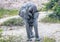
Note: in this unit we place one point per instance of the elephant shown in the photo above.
(29, 14)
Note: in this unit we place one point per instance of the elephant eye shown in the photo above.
(23, 11)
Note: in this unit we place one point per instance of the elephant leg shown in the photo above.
(28, 31)
(31, 31)
(36, 29)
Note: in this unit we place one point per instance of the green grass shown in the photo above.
(46, 39)
(13, 22)
(19, 39)
(50, 20)
(1, 32)
(11, 39)
(7, 13)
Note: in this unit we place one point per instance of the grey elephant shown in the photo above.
(29, 14)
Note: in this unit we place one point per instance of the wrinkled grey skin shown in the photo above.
(24, 13)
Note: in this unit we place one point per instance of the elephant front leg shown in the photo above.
(36, 30)
(31, 32)
(28, 32)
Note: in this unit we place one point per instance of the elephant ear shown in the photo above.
(22, 11)
(36, 15)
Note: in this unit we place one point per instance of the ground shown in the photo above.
(51, 30)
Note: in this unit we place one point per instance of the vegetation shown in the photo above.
(6, 12)
(1, 33)
(13, 22)
(46, 39)
(53, 5)
(50, 20)
(11, 39)
(20, 39)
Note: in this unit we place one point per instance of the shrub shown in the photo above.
(6, 12)
(13, 22)
(21, 39)
(55, 6)
(47, 39)
(11, 39)
(50, 20)
(51, 4)
(1, 33)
